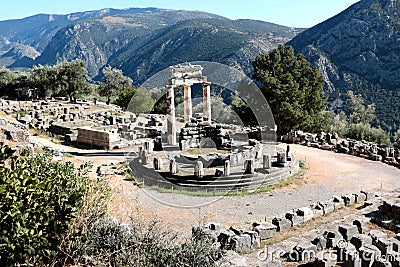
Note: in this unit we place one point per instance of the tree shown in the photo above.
(397, 139)
(38, 201)
(7, 78)
(71, 78)
(292, 88)
(137, 100)
(113, 82)
(45, 79)
(359, 113)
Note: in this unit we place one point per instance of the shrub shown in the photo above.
(397, 139)
(38, 200)
(362, 131)
(109, 243)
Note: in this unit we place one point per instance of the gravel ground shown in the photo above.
(328, 174)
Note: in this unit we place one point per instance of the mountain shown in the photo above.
(359, 50)
(95, 40)
(232, 42)
(139, 41)
(37, 31)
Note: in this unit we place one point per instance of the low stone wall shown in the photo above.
(242, 240)
(333, 142)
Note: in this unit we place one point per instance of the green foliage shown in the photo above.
(359, 113)
(347, 126)
(220, 112)
(397, 139)
(243, 111)
(44, 78)
(292, 88)
(114, 82)
(140, 101)
(337, 123)
(108, 243)
(71, 78)
(64, 79)
(38, 200)
(363, 131)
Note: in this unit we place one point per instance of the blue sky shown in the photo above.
(297, 13)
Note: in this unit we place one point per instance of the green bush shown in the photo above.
(397, 139)
(363, 131)
(38, 200)
(109, 243)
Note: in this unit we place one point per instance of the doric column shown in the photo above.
(207, 101)
(187, 102)
(171, 127)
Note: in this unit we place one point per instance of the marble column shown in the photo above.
(171, 122)
(187, 102)
(207, 101)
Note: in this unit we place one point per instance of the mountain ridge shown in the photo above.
(358, 50)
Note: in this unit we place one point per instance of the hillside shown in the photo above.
(232, 42)
(96, 39)
(139, 41)
(359, 50)
(35, 32)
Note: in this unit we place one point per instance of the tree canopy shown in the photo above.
(137, 100)
(113, 82)
(359, 113)
(292, 88)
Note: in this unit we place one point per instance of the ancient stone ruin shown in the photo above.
(332, 142)
(209, 156)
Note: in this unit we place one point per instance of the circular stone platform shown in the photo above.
(213, 178)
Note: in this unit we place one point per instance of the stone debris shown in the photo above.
(331, 141)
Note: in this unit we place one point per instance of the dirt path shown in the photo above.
(328, 174)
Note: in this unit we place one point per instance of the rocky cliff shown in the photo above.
(359, 50)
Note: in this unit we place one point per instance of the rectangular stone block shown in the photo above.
(362, 225)
(265, 230)
(338, 205)
(317, 210)
(332, 237)
(360, 197)
(306, 213)
(396, 244)
(348, 231)
(368, 194)
(281, 223)
(241, 243)
(349, 199)
(320, 242)
(361, 240)
(384, 245)
(303, 252)
(376, 234)
(294, 218)
(328, 207)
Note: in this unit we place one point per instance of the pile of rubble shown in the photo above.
(198, 133)
(101, 125)
(331, 141)
(14, 131)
